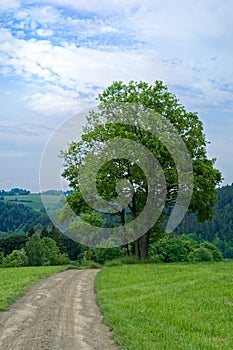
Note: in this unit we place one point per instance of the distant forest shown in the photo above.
(219, 230)
(14, 191)
(18, 218)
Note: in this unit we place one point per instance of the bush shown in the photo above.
(100, 255)
(170, 249)
(178, 249)
(17, 258)
(217, 255)
(201, 254)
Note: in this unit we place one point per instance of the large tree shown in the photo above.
(134, 102)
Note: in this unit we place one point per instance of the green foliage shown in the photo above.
(71, 248)
(44, 252)
(18, 217)
(52, 253)
(181, 249)
(101, 127)
(35, 251)
(17, 258)
(31, 231)
(168, 306)
(169, 250)
(200, 254)
(14, 191)
(11, 243)
(219, 230)
(1, 257)
(217, 256)
(66, 245)
(103, 254)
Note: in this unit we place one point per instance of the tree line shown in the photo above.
(14, 192)
(16, 220)
(45, 247)
(49, 247)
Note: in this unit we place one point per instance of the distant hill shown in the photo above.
(33, 200)
(18, 218)
(20, 209)
(14, 191)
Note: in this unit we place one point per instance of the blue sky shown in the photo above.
(56, 56)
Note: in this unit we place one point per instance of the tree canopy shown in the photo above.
(130, 174)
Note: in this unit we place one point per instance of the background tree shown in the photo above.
(31, 231)
(100, 128)
(53, 255)
(11, 243)
(35, 251)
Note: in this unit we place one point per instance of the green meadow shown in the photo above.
(34, 200)
(169, 306)
(15, 281)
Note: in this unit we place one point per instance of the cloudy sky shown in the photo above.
(57, 55)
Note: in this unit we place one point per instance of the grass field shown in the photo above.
(169, 306)
(34, 200)
(15, 281)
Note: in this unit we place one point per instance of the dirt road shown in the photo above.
(58, 313)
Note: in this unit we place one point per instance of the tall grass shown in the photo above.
(169, 306)
(15, 281)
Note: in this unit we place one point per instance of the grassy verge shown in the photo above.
(15, 281)
(169, 306)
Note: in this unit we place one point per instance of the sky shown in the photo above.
(57, 56)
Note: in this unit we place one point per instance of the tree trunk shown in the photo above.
(126, 247)
(137, 248)
(145, 245)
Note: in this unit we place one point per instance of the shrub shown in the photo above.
(17, 258)
(200, 254)
(178, 249)
(101, 255)
(217, 255)
(169, 249)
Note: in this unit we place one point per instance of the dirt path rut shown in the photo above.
(58, 313)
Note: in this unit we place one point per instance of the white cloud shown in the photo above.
(84, 45)
(44, 32)
(103, 7)
(6, 5)
(52, 104)
(167, 46)
(41, 15)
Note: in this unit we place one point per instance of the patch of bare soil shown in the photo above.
(58, 313)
